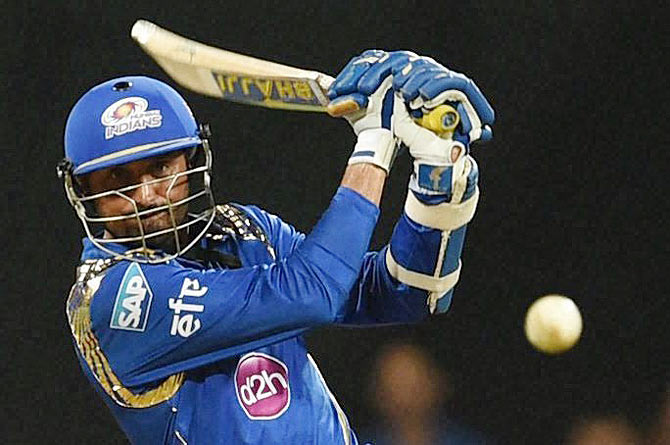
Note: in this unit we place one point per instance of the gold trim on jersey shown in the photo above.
(89, 276)
(241, 226)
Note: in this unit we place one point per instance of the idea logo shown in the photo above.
(262, 386)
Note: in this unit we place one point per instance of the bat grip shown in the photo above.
(441, 120)
(342, 107)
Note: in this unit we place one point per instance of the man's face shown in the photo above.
(146, 196)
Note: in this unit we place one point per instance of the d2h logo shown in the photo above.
(262, 386)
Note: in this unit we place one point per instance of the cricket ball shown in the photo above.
(553, 324)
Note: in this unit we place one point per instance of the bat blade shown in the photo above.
(230, 76)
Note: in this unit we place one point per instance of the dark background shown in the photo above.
(573, 195)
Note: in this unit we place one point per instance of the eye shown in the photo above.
(163, 168)
(113, 179)
(115, 174)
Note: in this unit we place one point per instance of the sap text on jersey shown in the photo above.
(133, 301)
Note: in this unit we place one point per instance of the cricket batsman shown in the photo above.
(188, 317)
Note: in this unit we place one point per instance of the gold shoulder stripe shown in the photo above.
(90, 275)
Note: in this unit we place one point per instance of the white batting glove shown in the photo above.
(442, 167)
(366, 82)
(439, 164)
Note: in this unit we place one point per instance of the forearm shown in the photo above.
(365, 179)
(421, 263)
(379, 298)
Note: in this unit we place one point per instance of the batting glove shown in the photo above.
(424, 84)
(366, 81)
(443, 170)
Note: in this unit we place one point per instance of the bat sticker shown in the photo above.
(269, 92)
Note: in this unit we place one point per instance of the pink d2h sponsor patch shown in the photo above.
(262, 386)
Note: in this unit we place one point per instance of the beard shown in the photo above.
(151, 224)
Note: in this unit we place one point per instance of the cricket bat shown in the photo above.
(231, 76)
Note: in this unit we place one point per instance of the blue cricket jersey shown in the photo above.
(208, 348)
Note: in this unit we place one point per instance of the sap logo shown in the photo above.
(133, 301)
(186, 324)
(262, 386)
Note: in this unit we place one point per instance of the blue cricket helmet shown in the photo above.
(126, 119)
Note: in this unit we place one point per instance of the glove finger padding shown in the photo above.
(475, 111)
(380, 70)
(347, 80)
(367, 80)
(404, 75)
(424, 84)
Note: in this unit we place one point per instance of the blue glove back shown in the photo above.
(345, 85)
(363, 75)
(367, 82)
(407, 81)
(425, 84)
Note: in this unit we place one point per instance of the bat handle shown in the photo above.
(441, 120)
(342, 107)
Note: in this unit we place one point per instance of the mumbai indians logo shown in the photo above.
(133, 301)
(128, 115)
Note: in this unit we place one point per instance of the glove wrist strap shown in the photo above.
(374, 146)
(445, 216)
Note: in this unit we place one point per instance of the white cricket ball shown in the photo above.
(553, 324)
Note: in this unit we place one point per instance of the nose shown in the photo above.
(147, 195)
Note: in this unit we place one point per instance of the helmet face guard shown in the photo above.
(179, 235)
(122, 121)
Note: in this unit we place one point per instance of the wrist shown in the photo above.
(365, 179)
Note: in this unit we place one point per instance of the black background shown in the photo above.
(573, 194)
